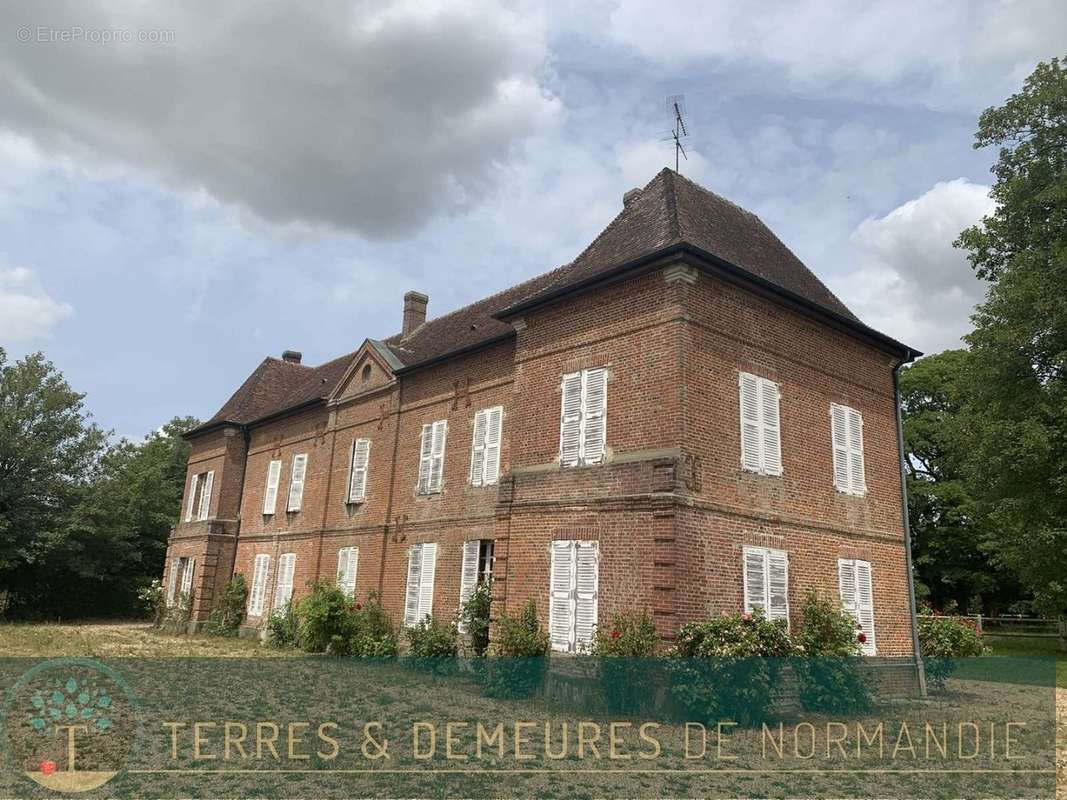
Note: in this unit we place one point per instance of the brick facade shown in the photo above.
(670, 505)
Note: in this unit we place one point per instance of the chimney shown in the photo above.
(292, 356)
(414, 311)
(630, 196)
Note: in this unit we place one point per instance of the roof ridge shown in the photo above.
(673, 220)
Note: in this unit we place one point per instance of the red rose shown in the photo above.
(862, 637)
(48, 767)
(359, 606)
(747, 617)
(615, 633)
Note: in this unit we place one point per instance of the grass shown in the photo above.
(1019, 647)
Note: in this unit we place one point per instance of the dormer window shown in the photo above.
(366, 373)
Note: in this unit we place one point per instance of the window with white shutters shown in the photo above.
(347, 563)
(296, 482)
(283, 592)
(422, 563)
(477, 568)
(187, 575)
(846, 433)
(205, 494)
(857, 597)
(761, 443)
(191, 504)
(357, 474)
(766, 582)
(199, 505)
(485, 446)
(583, 417)
(270, 493)
(573, 587)
(256, 597)
(172, 579)
(432, 457)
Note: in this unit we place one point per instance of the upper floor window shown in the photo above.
(846, 427)
(270, 493)
(432, 457)
(485, 446)
(761, 444)
(357, 471)
(199, 504)
(296, 482)
(583, 417)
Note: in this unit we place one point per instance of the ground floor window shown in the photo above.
(477, 569)
(181, 578)
(574, 581)
(283, 592)
(347, 561)
(422, 562)
(766, 582)
(259, 585)
(857, 596)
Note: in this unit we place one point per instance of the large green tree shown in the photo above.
(1018, 371)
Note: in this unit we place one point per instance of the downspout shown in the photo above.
(246, 434)
(392, 485)
(919, 672)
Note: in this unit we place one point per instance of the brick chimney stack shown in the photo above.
(414, 311)
(292, 356)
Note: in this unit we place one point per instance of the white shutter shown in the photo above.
(205, 495)
(296, 482)
(429, 566)
(493, 433)
(357, 482)
(259, 584)
(437, 466)
(187, 576)
(751, 440)
(172, 580)
(839, 440)
(594, 415)
(865, 605)
(425, 460)
(846, 579)
(468, 577)
(192, 498)
(586, 585)
(478, 442)
(347, 563)
(857, 479)
(283, 592)
(270, 494)
(777, 585)
(771, 430)
(411, 602)
(570, 426)
(755, 579)
(561, 596)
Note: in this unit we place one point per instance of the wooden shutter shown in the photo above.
(259, 584)
(856, 477)
(425, 460)
(429, 565)
(478, 442)
(437, 467)
(468, 576)
(172, 580)
(192, 498)
(357, 482)
(839, 440)
(594, 415)
(283, 592)
(570, 426)
(494, 429)
(586, 585)
(755, 579)
(347, 563)
(777, 586)
(296, 482)
(770, 428)
(411, 602)
(561, 597)
(187, 576)
(751, 439)
(865, 605)
(205, 495)
(270, 494)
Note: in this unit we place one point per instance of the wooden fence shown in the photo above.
(1015, 627)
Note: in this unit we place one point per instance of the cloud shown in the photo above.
(911, 282)
(353, 115)
(26, 310)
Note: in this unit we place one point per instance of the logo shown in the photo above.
(69, 724)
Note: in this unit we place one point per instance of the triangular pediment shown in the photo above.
(372, 368)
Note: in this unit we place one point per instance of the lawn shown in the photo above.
(1020, 646)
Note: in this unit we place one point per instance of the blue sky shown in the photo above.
(276, 175)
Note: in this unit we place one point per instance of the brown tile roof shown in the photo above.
(670, 211)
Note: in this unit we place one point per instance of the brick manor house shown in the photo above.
(683, 419)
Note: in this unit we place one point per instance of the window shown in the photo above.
(432, 457)
(572, 605)
(766, 581)
(366, 373)
(296, 482)
(485, 446)
(270, 494)
(846, 432)
(180, 580)
(477, 569)
(347, 561)
(199, 504)
(283, 592)
(259, 585)
(422, 560)
(357, 471)
(583, 417)
(857, 596)
(187, 576)
(761, 445)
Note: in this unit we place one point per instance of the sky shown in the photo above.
(183, 193)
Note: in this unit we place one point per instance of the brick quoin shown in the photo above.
(670, 505)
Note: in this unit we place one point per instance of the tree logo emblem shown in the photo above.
(69, 724)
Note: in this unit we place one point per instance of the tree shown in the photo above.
(1017, 393)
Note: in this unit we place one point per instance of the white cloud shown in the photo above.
(26, 310)
(911, 283)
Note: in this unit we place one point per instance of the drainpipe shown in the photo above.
(919, 672)
(246, 434)
(392, 488)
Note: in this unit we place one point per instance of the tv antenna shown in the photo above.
(676, 107)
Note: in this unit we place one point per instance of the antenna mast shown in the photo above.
(676, 107)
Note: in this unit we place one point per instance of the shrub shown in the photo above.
(629, 635)
(152, 600)
(475, 617)
(176, 617)
(375, 635)
(227, 616)
(521, 636)
(830, 674)
(941, 641)
(728, 668)
(518, 666)
(283, 627)
(326, 620)
(432, 639)
(626, 668)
